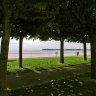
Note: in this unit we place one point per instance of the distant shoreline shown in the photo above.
(64, 49)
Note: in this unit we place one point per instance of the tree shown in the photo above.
(10, 9)
(84, 14)
(80, 38)
(7, 14)
(19, 33)
(30, 27)
(61, 27)
(22, 29)
(92, 36)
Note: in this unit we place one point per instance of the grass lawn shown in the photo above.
(71, 85)
(44, 63)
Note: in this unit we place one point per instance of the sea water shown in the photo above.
(45, 51)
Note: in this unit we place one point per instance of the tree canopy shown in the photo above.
(64, 18)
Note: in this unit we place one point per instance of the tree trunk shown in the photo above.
(85, 51)
(62, 50)
(93, 56)
(4, 52)
(20, 51)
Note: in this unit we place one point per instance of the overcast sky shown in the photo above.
(39, 45)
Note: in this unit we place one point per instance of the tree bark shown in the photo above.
(62, 50)
(20, 51)
(85, 50)
(93, 56)
(4, 52)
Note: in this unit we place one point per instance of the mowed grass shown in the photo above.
(44, 63)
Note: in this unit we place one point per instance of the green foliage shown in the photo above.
(23, 28)
(81, 12)
(61, 25)
(79, 38)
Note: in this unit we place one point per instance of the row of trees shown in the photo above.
(54, 19)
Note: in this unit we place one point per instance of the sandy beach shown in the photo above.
(43, 55)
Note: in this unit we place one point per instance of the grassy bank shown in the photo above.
(44, 63)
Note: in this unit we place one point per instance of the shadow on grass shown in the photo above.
(26, 70)
(61, 87)
(73, 86)
(20, 70)
(41, 69)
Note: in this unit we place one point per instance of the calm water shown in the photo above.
(44, 51)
